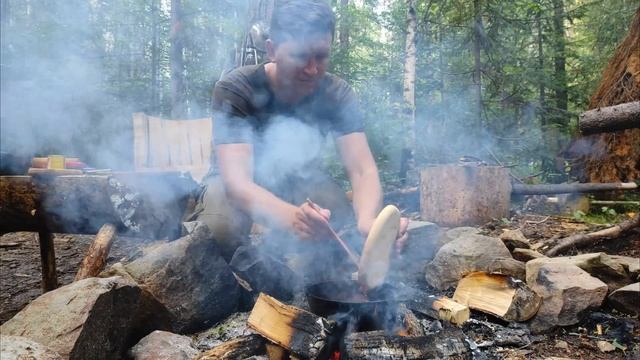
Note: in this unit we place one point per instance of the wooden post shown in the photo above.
(45, 238)
(455, 195)
(96, 256)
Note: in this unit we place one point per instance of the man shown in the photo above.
(270, 122)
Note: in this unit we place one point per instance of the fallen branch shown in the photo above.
(610, 118)
(582, 240)
(543, 189)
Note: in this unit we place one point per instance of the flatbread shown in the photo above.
(374, 262)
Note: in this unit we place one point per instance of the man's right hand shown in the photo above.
(309, 223)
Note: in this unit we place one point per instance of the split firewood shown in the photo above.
(300, 332)
(378, 345)
(439, 308)
(238, 348)
(610, 118)
(582, 240)
(545, 189)
(96, 256)
(503, 296)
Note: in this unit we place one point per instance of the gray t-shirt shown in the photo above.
(287, 139)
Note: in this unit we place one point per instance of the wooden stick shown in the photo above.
(582, 240)
(543, 189)
(96, 256)
(610, 118)
(354, 258)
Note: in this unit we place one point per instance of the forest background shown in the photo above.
(501, 81)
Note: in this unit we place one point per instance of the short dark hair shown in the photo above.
(300, 19)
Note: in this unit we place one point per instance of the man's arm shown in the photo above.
(235, 162)
(363, 175)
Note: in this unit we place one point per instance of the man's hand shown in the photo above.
(309, 223)
(364, 227)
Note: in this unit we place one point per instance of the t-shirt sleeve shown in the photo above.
(232, 122)
(349, 117)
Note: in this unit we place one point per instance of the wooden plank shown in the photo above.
(299, 331)
(159, 154)
(140, 140)
(238, 348)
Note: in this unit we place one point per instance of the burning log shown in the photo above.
(378, 345)
(454, 195)
(238, 348)
(96, 256)
(300, 332)
(582, 240)
(545, 189)
(499, 295)
(610, 118)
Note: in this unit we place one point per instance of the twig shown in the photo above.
(582, 240)
(537, 222)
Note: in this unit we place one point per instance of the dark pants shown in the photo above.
(231, 227)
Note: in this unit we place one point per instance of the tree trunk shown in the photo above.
(178, 104)
(155, 59)
(477, 71)
(611, 118)
(541, 89)
(343, 35)
(408, 90)
(559, 60)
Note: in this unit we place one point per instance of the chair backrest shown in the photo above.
(183, 145)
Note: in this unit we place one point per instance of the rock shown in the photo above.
(461, 256)
(90, 319)
(605, 346)
(190, 277)
(503, 266)
(599, 265)
(514, 239)
(567, 291)
(526, 254)
(631, 264)
(18, 348)
(232, 327)
(163, 345)
(561, 344)
(626, 299)
(457, 232)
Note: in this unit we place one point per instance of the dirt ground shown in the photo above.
(20, 283)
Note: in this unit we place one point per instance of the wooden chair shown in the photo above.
(165, 145)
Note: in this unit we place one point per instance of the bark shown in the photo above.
(239, 348)
(541, 88)
(611, 118)
(155, 59)
(343, 34)
(178, 104)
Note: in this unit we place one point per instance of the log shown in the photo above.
(437, 307)
(610, 118)
(96, 256)
(582, 240)
(503, 296)
(238, 348)
(300, 332)
(378, 345)
(544, 189)
(454, 195)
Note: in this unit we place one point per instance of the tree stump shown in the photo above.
(453, 195)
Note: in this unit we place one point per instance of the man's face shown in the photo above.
(301, 64)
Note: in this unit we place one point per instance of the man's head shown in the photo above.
(299, 44)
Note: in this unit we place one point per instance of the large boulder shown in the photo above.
(188, 276)
(163, 345)
(567, 291)
(21, 348)
(90, 319)
(600, 265)
(467, 253)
